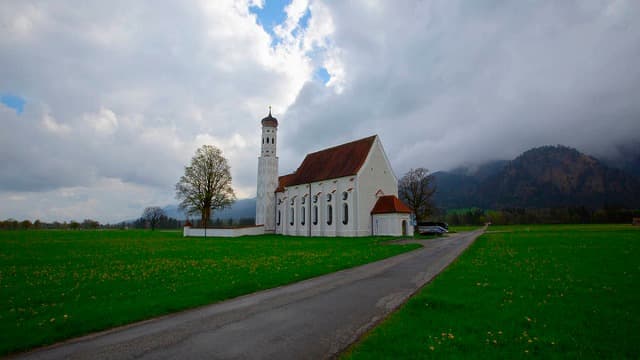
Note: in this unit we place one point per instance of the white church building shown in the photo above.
(345, 190)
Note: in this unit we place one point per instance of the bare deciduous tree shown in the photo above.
(153, 215)
(206, 184)
(416, 188)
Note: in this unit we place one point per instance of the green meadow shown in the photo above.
(544, 291)
(461, 228)
(59, 284)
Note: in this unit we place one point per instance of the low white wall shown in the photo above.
(223, 232)
(391, 224)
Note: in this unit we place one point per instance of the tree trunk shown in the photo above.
(206, 215)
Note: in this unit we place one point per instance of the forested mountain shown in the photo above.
(543, 177)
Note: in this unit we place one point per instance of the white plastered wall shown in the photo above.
(391, 224)
(336, 188)
(375, 175)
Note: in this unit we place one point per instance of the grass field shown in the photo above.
(461, 228)
(59, 284)
(543, 291)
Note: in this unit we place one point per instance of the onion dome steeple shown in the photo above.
(270, 121)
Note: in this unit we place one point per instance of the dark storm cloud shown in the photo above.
(445, 83)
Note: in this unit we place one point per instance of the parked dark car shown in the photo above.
(431, 228)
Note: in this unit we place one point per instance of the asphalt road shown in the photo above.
(312, 319)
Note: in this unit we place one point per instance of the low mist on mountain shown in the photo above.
(543, 177)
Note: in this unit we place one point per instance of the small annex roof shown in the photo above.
(335, 162)
(390, 204)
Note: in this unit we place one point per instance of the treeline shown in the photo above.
(164, 222)
(168, 223)
(515, 216)
(12, 224)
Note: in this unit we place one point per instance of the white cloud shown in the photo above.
(295, 10)
(104, 122)
(120, 94)
(19, 19)
(131, 86)
(336, 70)
(52, 125)
(107, 200)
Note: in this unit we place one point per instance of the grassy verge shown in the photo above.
(544, 291)
(462, 228)
(59, 284)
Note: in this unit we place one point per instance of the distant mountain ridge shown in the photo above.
(242, 208)
(547, 176)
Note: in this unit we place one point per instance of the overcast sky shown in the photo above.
(103, 103)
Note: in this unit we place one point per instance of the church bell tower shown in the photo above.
(267, 175)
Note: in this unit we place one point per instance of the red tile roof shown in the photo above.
(284, 180)
(390, 204)
(335, 162)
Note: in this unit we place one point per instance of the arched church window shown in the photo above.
(279, 218)
(345, 213)
(303, 216)
(345, 195)
(328, 197)
(329, 215)
(315, 215)
(273, 141)
(315, 199)
(304, 200)
(292, 202)
(292, 212)
(267, 140)
(263, 140)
